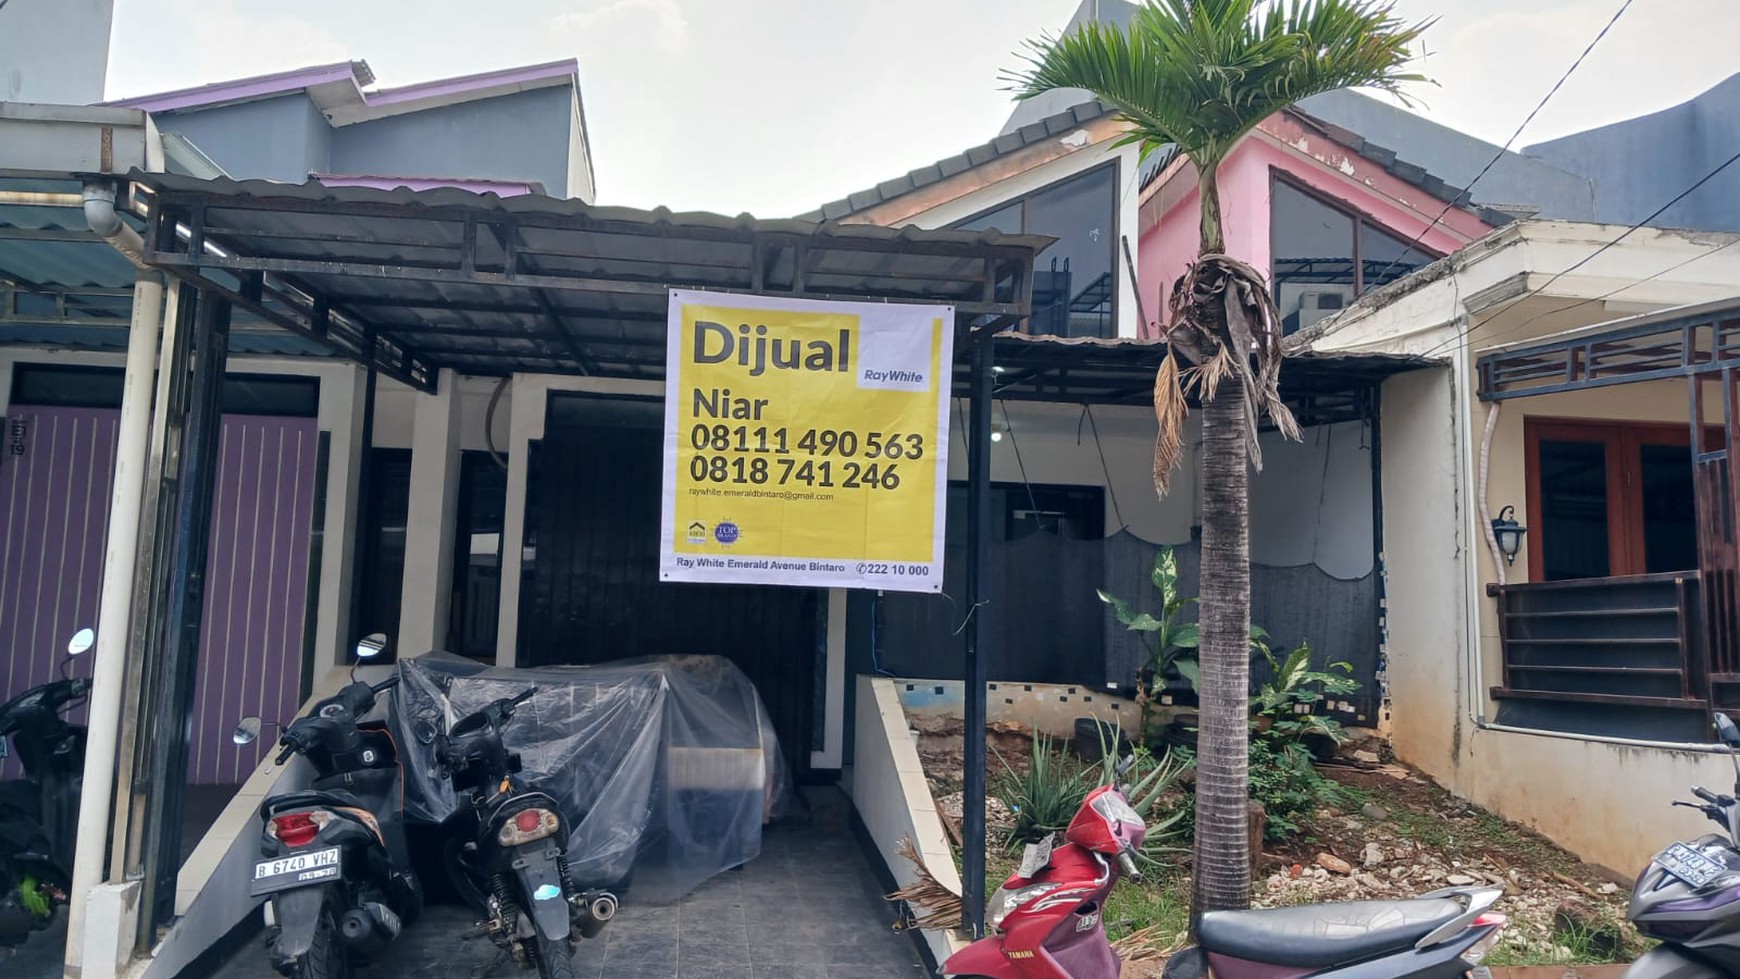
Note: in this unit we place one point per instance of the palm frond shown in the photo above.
(1203, 73)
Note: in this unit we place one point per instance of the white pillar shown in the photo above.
(525, 423)
(430, 519)
(108, 678)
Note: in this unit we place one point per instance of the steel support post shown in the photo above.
(109, 675)
(978, 598)
(176, 670)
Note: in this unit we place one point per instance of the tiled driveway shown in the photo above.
(808, 908)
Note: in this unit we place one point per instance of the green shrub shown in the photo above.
(1045, 797)
(1285, 782)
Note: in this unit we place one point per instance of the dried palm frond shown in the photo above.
(1170, 410)
(933, 904)
(1149, 944)
(1222, 305)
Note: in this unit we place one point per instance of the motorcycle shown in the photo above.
(337, 874)
(507, 850)
(39, 813)
(1687, 898)
(1047, 924)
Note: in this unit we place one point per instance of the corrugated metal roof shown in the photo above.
(1050, 127)
(1120, 370)
(550, 285)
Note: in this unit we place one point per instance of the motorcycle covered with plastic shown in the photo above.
(665, 768)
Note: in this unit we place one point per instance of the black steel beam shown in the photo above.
(171, 708)
(978, 602)
(282, 266)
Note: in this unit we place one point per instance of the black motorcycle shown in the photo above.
(1687, 898)
(508, 850)
(39, 813)
(337, 872)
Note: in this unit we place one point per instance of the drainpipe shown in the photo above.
(119, 565)
(99, 204)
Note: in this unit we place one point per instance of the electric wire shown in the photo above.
(1468, 190)
(1463, 334)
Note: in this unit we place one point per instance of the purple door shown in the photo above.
(56, 470)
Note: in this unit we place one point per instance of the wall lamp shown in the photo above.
(1509, 533)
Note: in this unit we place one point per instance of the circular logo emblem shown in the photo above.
(726, 532)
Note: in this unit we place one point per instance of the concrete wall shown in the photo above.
(1423, 569)
(283, 139)
(1639, 164)
(524, 136)
(1311, 503)
(888, 789)
(55, 52)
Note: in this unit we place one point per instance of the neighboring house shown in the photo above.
(1326, 214)
(282, 537)
(1569, 687)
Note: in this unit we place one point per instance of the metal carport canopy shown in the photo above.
(416, 281)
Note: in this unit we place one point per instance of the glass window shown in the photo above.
(1384, 258)
(1670, 513)
(1313, 247)
(1324, 256)
(1573, 535)
(1074, 282)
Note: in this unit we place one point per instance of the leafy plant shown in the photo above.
(1286, 783)
(1167, 639)
(1290, 697)
(1045, 797)
(1147, 782)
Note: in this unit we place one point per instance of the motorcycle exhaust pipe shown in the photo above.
(595, 910)
(361, 932)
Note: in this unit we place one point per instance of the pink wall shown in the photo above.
(1283, 144)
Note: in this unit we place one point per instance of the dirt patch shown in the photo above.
(1396, 835)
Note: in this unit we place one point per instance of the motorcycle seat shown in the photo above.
(1317, 936)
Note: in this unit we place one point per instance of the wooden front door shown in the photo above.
(1607, 499)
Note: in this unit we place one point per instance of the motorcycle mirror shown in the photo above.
(81, 642)
(1728, 731)
(247, 730)
(368, 647)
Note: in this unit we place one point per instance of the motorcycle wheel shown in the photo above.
(554, 961)
(326, 958)
(467, 884)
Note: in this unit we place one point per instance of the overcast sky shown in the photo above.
(776, 106)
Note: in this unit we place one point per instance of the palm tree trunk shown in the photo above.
(1222, 872)
(1208, 191)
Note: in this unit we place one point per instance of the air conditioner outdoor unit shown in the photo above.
(1316, 304)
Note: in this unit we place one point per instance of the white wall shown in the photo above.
(1311, 504)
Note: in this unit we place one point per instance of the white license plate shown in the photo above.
(308, 867)
(1689, 865)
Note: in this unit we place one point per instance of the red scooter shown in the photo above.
(1045, 919)
(1047, 923)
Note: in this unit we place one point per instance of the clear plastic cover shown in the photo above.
(666, 768)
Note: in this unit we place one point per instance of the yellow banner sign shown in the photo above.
(806, 442)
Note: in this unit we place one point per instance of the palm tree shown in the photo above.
(1199, 75)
